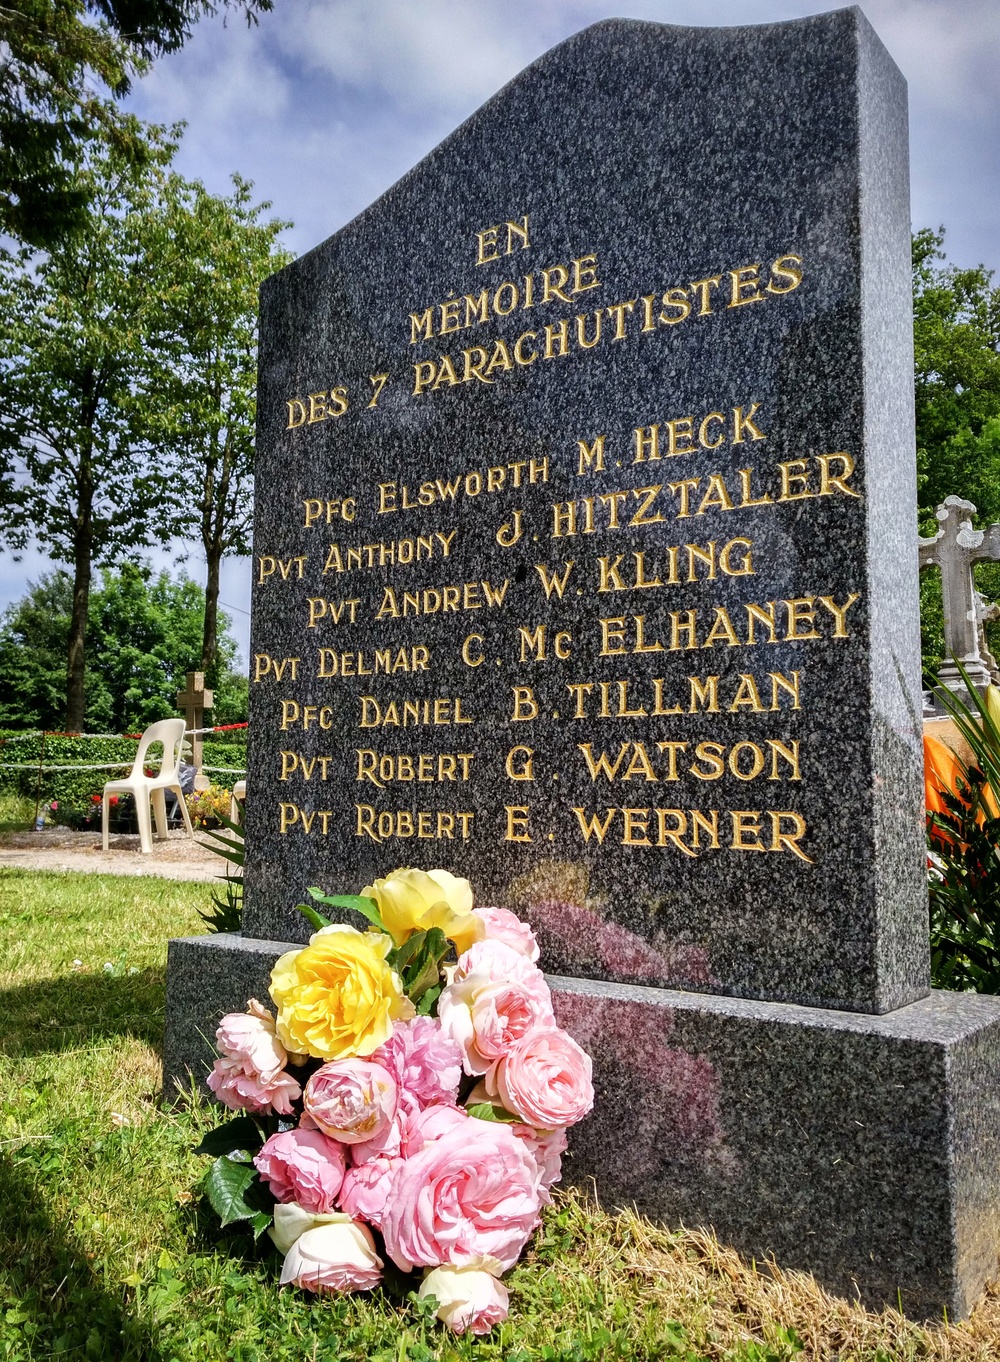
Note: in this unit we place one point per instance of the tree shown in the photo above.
(144, 633)
(74, 359)
(204, 397)
(956, 329)
(56, 68)
(956, 325)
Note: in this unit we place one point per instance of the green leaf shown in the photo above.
(314, 919)
(424, 971)
(229, 849)
(486, 1111)
(225, 1186)
(360, 903)
(241, 1134)
(260, 1222)
(425, 1007)
(427, 977)
(401, 957)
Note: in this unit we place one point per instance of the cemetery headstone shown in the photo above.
(583, 567)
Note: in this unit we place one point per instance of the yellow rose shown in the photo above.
(416, 900)
(337, 996)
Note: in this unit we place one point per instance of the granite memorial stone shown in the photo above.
(583, 567)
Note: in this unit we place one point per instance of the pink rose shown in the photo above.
(249, 1074)
(472, 1193)
(366, 1189)
(546, 1079)
(495, 995)
(303, 1166)
(468, 1298)
(352, 1099)
(426, 1064)
(547, 1148)
(503, 925)
(332, 1256)
(422, 1128)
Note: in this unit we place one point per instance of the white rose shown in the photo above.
(327, 1253)
(468, 1298)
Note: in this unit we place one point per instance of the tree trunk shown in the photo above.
(210, 636)
(76, 662)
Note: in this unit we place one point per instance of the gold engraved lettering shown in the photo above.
(525, 704)
(677, 299)
(788, 841)
(585, 274)
(550, 578)
(828, 483)
(647, 444)
(793, 478)
(421, 325)
(801, 611)
(591, 825)
(618, 312)
(746, 830)
(467, 657)
(520, 763)
(437, 824)
(702, 288)
(269, 566)
(267, 666)
(743, 423)
(517, 823)
(376, 714)
(785, 268)
(591, 457)
(745, 286)
(839, 612)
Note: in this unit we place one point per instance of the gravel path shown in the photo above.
(177, 858)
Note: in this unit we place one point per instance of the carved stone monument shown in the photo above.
(955, 550)
(583, 567)
(194, 700)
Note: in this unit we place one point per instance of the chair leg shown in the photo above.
(160, 814)
(104, 821)
(143, 819)
(182, 802)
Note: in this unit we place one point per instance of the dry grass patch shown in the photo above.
(727, 1302)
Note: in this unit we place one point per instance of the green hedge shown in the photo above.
(224, 753)
(75, 789)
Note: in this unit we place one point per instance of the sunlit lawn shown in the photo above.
(106, 1253)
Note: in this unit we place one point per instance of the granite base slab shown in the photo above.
(863, 1149)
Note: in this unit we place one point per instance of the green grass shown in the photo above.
(17, 812)
(107, 1252)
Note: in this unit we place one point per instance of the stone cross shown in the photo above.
(955, 549)
(194, 701)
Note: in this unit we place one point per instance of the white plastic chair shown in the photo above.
(238, 797)
(146, 789)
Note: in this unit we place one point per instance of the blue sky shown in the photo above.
(326, 103)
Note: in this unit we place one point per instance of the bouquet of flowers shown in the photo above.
(409, 1100)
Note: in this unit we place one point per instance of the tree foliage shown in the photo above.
(60, 60)
(127, 379)
(956, 330)
(203, 403)
(76, 327)
(956, 326)
(144, 632)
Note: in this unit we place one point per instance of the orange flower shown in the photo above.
(942, 773)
